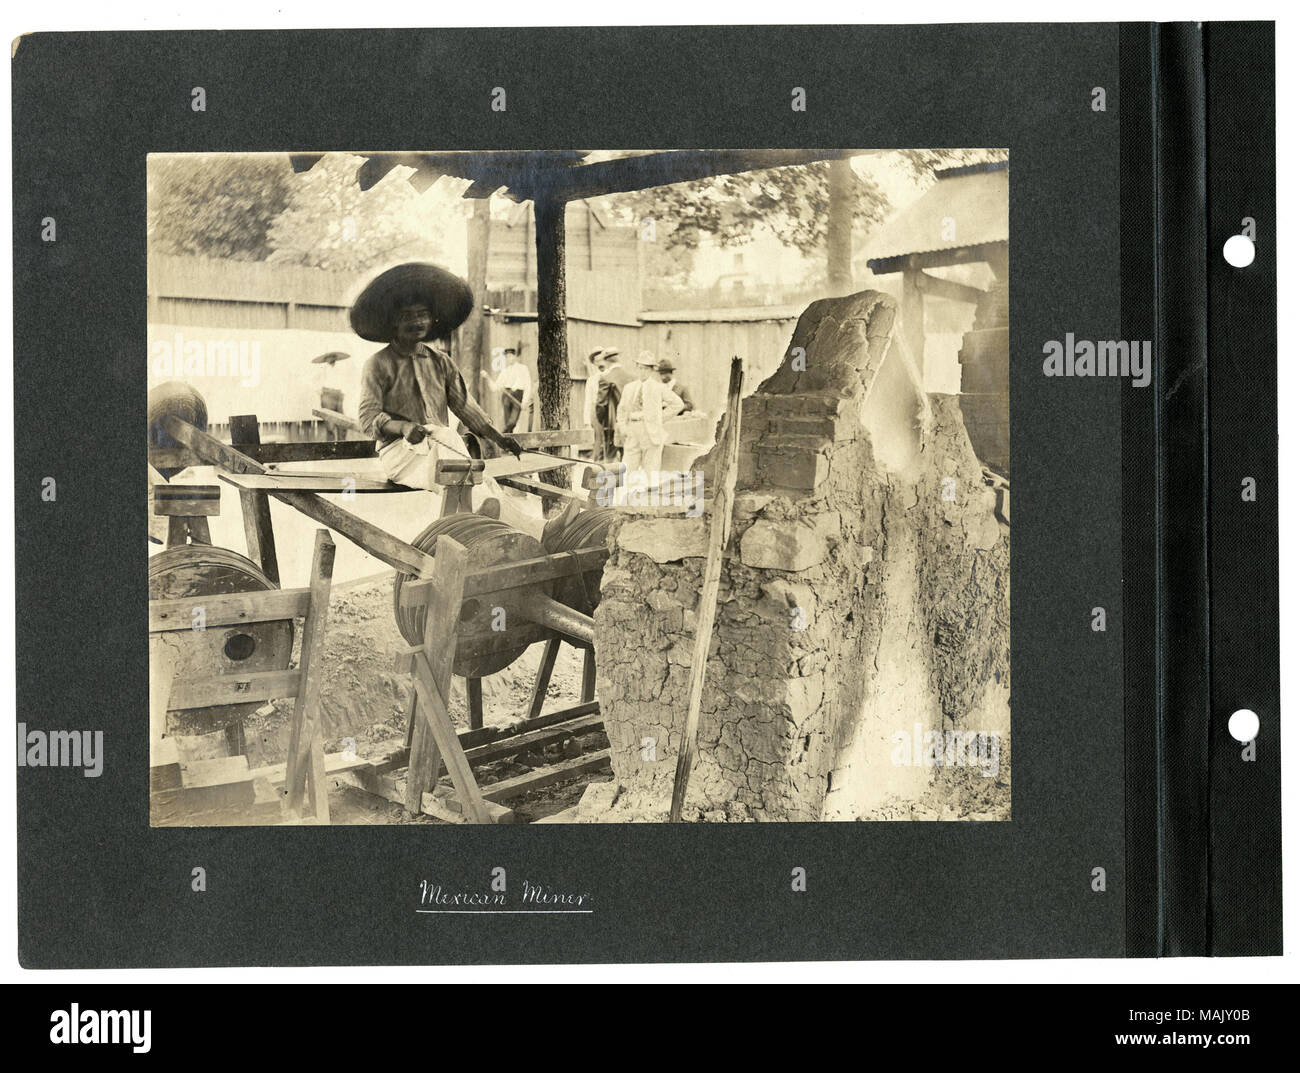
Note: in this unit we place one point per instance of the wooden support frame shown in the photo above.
(190, 529)
(258, 533)
(305, 782)
(382, 545)
(434, 737)
(544, 670)
(305, 767)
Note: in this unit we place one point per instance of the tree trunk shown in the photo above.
(474, 334)
(552, 332)
(839, 229)
(552, 324)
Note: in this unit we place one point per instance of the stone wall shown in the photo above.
(864, 595)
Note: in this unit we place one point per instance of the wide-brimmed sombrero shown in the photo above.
(448, 296)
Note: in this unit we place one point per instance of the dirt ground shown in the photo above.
(364, 703)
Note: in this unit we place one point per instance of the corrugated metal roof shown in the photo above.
(976, 201)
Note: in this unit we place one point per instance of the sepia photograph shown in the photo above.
(579, 486)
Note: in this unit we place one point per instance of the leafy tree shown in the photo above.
(215, 205)
(331, 223)
(801, 203)
(793, 201)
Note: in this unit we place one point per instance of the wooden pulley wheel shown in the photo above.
(495, 628)
(191, 570)
(588, 529)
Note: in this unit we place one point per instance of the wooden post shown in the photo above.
(435, 738)
(305, 767)
(543, 679)
(724, 488)
(163, 660)
(474, 700)
(552, 322)
(474, 333)
(256, 507)
(187, 529)
(588, 675)
(913, 313)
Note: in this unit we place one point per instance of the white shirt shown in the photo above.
(646, 403)
(515, 378)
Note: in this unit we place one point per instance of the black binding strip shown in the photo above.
(1182, 575)
(1137, 297)
(1245, 836)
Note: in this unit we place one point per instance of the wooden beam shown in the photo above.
(186, 500)
(546, 776)
(333, 417)
(947, 288)
(588, 675)
(724, 489)
(528, 484)
(256, 508)
(435, 804)
(187, 528)
(433, 666)
(228, 609)
(232, 689)
(326, 484)
(323, 451)
(305, 767)
(532, 571)
(556, 437)
(474, 701)
(163, 659)
(528, 462)
(913, 317)
(471, 740)
(660, 169)
(383, 546)
(543, 677)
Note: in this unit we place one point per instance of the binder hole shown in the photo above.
(1239, 251)
(1243, 724)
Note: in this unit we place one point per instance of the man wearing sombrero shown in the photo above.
(408, 387)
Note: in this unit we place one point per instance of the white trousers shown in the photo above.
(639, 454)
(413, 464)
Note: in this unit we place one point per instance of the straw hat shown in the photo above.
(448, 297)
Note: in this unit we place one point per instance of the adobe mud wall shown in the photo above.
(864, 601)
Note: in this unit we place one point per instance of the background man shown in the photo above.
(515, 385)
(597, 363)
(612, 382)
(665, 368)
(645, 405)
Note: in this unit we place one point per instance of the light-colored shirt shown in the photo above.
(515, 377)
(646, 403)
